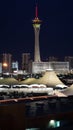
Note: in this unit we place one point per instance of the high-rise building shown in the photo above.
(52, 58)
(25, 61)
(15, 66)
(6, 63)
(70, 60)
(36, 25)
(60, 66)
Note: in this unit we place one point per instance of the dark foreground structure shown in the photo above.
(37, 113)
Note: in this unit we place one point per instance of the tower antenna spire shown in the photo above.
(36, 11)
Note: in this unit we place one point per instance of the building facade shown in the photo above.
(39, 67)
(70, 60)
(58, 67)
(6, 63)
(52, 58)
(25, 61)
(15, 66)
(0, 68)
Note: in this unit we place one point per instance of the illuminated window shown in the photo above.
(53, 124)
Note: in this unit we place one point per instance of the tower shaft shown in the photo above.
(37, 49)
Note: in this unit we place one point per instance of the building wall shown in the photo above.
(59, 67)
(38, 67)
(70, 60)
(0, 68)
(6, 59)
(25, 61)
(15, 66)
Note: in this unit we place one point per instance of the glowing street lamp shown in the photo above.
(5, 65)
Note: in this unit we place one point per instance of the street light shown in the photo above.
(5, 65)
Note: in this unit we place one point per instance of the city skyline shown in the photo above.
(56, 33)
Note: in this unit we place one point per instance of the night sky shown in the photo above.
(17, 34)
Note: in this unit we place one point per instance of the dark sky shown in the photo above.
(17, 34)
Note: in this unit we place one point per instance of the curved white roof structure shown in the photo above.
(28, 81)
(8, 81)
(50, 79)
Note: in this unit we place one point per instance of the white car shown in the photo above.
(61, 87)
